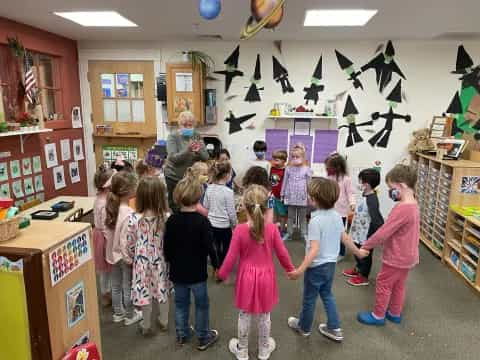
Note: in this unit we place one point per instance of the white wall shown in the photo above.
(429, 87)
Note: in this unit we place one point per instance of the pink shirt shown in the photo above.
(99, 211)
(256, 288)
(116, 248)
(347, 195)
(399, 236)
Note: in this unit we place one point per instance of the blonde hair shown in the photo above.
(185, 116)
(255, 202)
(151, 196)
(189, 190)
(123, 184)
(200, 168)
(403, 174)
(324, 192)
(299, 148)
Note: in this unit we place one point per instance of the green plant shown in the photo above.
(202, 60)
(16, 46)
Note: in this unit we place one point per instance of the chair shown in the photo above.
(76, 216)
(30, 204)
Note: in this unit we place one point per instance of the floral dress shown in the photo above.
(150, 269)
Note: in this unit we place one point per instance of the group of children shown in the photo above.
(145, 252)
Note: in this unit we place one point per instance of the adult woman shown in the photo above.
(184, 148)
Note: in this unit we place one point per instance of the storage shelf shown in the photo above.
(432, 247)
(24, 132)
(134, 136)
(311, 117)
(455, 245)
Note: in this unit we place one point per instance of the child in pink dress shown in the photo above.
(102, 181)
(256, 291)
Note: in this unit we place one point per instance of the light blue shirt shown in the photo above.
(326, 227)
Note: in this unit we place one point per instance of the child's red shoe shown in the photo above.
(350, 272)
(358, 280)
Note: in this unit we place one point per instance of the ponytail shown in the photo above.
(255, 202)
(123, 184)
(258, 223)
(111, 209)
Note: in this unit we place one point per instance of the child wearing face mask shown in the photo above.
(294, 190)
(260, 150)
(366, 221)
(399, 238)
(336, 167)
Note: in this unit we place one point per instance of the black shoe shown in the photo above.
(184, 340)
(210, 340)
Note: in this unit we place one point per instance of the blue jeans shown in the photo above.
(182, 310)
(318, 281)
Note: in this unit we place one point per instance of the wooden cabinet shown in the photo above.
(185, 92)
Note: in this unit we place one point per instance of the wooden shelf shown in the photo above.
(431, 247)
(24, 132)
(311, 117)
(452, 163)
(131, 136)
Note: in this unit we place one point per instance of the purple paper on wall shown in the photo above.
(325, 144)
(276, 139)
(306, 140)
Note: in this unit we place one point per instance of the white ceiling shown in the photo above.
(167, 19)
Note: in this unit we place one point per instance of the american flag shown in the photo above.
(30, 82)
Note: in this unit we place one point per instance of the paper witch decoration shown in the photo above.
(253, 95)
(235, 122)
(465, 67)
(231, 70)
(280, 74)
(384, 65)
(349, 113)
(265, 14)
(455, 109)
(311, 93)
(382, 137)
(347, 66)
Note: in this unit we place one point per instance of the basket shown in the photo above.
(9, 228)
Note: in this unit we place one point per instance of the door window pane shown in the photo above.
(109, 110)
(45, 71)
(122, 85)
(138, 111)
(108, 88)
(136, 85)
(123, 111)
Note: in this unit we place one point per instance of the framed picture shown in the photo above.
(75, 301)
(440, 127)
(451, 148)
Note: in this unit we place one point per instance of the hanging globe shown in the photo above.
(209, 9)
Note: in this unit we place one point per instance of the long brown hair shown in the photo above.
(151, 196)
(189, 190)
(123, 184)
(255, 202)
(220, 170)
(101, 177)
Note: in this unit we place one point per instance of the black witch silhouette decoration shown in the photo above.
(235, 122)
(347, 65)
(280, 74)
(231, 70)
(349, 113)
(311, 93)
(253, 95)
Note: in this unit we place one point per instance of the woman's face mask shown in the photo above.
(187, 132)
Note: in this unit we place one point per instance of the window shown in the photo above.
(48, 82)
(123, 99)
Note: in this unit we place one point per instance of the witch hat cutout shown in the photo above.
(347, 65)
(311, 93)
(235, 122)
(389, 49)
(280, 74)
(253, 95)
(231, 70)
(464, 61)
(455, 106)
(350, 108)
(396, 94)
(353, 136)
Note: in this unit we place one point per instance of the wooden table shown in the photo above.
(83, 202)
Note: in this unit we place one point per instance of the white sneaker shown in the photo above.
(118, 318)
(332, 334)
(293, 324)
(137, 316)
(264, 352)
(234, 349)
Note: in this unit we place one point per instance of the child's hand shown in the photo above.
(352, 208)
(294, 275)
(362, 253)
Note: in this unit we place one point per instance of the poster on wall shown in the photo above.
(28, 186)
(17, 189)
(51, 155)
(74, 172)
(276, 139)
(37, 164)
(3, 171)
(75, 301)
(325, 143)
(76, 117)
(26, 166)
(69, 256)
(470, 185)
(111, 152)
(15, 169)
(5, 190)
(39, 183)
(78, 150)
(59, 177)
(65, 147)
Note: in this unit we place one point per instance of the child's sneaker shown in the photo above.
(118, 318)
(367, 318)
(137, 316)
(161, 326)
(293, 324)
(286, 237)
(184, 340)
(265, 351)
(332, 334)
(209, 341)
(358, 280)
(235, 350)
(350, 272)
(393, 318)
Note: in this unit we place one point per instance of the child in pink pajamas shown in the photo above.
(399, 237)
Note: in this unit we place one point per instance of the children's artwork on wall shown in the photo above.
(39, 183)
(349, 113)
(17, 189)
(231, 68)
(5, 190)
(28, 186)
(75, 301)
(27, 166)
(65, 147)
(59, 177)
(280, 74)
(74, 172)
(37, 164)
(78, 150)
(3, 171)
(235, 122)
(307, 141)
(384, 65)
(51, 155)
(15, 169)
(276, 139)
(311, 92)
(112, 152)
(40, 196)
(253, 95)
(265, 14)
(470, 185)
(326, 142)
(76, 117)
(347, 65)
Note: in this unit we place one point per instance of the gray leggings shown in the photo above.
(297, 218)
(121, 278)
(162, 314)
